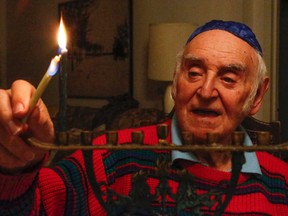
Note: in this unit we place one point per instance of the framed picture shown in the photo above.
(99, 47)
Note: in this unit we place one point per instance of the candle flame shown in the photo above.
(62, 37)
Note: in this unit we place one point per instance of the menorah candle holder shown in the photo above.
(193, 200)
(86, 138)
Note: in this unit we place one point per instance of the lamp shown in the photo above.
(165, 41)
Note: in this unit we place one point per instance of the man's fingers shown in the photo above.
(41, 125)
(6, 115)
(14, 106)
(21, 92)
(16, 146)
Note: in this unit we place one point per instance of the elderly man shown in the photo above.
(219, 80)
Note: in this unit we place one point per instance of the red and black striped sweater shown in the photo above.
(86, 183)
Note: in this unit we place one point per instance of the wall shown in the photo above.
(3, 43)
(31, 40)
(283, 65)
(263, 17)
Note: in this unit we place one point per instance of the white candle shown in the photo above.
(52, 70)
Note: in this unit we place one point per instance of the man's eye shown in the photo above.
(228, 80)
(193, 74)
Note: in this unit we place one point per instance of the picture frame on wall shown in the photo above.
(99, 59)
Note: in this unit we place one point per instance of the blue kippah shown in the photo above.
(240, 30)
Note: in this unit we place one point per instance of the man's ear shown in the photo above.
(259, 96)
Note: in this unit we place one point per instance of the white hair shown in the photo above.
(261, 73)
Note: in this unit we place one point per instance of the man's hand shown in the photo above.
(15, 153)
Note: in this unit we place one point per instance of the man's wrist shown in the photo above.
(30, 167)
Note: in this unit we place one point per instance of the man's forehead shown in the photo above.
(212, 49)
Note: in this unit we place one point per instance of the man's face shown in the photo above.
(216, 77)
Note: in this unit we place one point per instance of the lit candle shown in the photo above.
(52, 70)
(61, 123)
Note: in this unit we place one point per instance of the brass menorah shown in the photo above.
(192, 200)
(86, 138)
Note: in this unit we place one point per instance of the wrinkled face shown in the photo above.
(217, 72)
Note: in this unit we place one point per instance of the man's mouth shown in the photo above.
(206, 112)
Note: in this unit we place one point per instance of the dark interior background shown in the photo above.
(283, 69)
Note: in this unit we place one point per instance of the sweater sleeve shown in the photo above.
(13, 186)
(61, 190)
(17, 193)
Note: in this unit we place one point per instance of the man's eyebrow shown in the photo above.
(191, 57)
(234, 67)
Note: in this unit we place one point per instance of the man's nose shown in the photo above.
(208, 89)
